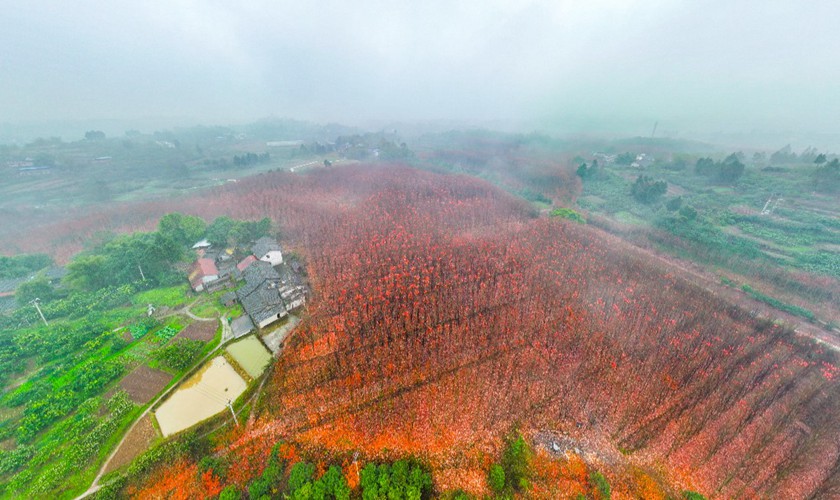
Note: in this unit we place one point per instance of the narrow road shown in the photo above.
(711, 283)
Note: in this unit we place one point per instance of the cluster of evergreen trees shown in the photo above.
(727, 171)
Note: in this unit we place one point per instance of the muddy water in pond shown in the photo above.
(251, 355)
(203, 395)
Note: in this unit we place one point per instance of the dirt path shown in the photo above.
(185, 310)
(711, 282)
(95, 486)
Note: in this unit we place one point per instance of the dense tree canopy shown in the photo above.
(17, 266)
(125, 259)
(647, 190)
(182, 229)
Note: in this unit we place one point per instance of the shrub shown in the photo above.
(496, 478)
(258, 488)
(300, 475)
(568, 213)
(601, 484)
(516, 461)
(231, 492)
(647, 190)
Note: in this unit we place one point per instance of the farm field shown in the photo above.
(203, 331)
(770, 229)
(100, 360)
(138, 440)
(143, 383)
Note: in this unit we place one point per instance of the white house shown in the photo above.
(268, 250)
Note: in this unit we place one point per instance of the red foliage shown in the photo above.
(444, 313)
(180, 481)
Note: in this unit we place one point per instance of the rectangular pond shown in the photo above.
(251, 355)
(203, 395)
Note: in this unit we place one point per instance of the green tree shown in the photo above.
(625, 158)
(88, 272)
(36, 288)
(369, 482)
(219, 231)
(496, 478)
(674, 204)
(300, 475)
(601, 484)
(688, 212)
(305, 492)
(568, 213)
(18, 266)
(258, 489)
(827, 177)
(730, 169)
(125, 259)
(646, 190)
(182, 229)
(335, 485)
(95, 135)
(244, 232)
(705, 166)
(516, 461)
(231, 492)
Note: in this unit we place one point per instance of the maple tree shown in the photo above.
(445, 312)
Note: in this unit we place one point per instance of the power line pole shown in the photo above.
(36, 302)
(230, 405)
(356, 463)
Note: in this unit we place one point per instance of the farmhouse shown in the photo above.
(264, 305)
(202, 273)
(259, 296)
(268, 250)
(244, 263)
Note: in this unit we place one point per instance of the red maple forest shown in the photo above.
(446, 312)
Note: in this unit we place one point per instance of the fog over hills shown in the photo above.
(763, 71)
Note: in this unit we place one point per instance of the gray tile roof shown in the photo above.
(241, 326)
(264, 245)
(262, 303)
(259, 295)
(228, 297)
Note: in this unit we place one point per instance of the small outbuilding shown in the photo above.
(241, 326)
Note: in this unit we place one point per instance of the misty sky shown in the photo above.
(589, 65)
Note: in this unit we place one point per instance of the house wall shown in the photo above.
(271, 319)
(275, 257)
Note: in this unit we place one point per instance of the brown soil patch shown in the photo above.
(144, 383)
(200, 330)
(136, 442)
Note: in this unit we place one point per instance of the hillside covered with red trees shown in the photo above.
(446, 313)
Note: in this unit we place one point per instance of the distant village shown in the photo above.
(268, 287)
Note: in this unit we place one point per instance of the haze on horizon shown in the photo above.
(604, 66)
